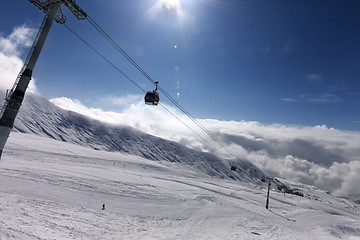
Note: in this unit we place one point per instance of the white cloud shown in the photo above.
(325, 98)
(289, 100)
(10, 61)
(153, 120)
(313, 98)
(318, 155)
(22, 36)
(122, 101)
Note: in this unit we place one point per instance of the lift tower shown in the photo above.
(15, 96)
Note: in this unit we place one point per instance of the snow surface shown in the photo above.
(58, 169)
(55, 190)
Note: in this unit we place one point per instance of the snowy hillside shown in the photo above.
(50, 189)
(59, 168)
(39, 116)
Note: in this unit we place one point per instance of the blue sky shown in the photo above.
(287, 62)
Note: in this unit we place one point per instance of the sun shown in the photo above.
(168, 10)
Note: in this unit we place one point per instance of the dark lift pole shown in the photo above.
(15, 96)
(268, 193)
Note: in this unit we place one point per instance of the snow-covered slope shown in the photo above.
(50, 189)
(39, 116)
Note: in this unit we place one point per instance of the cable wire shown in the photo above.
(122, 52)
(103, 57)
(126, 76)
(112, 42)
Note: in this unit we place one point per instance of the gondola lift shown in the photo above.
(152, 97)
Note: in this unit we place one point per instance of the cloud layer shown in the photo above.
(319, 156)
(312, 98)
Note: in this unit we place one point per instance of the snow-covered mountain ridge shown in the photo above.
(39, 116)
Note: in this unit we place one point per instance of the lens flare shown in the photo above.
(170, 4)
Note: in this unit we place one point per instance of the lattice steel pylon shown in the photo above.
(15, 96)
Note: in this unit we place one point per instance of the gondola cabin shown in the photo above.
(152, 98)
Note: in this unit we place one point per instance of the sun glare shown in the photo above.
(168, 10)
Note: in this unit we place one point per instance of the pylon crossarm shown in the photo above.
(75, 9)
(60, 18)
(45, 5)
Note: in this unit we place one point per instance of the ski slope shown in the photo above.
(51, 189)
